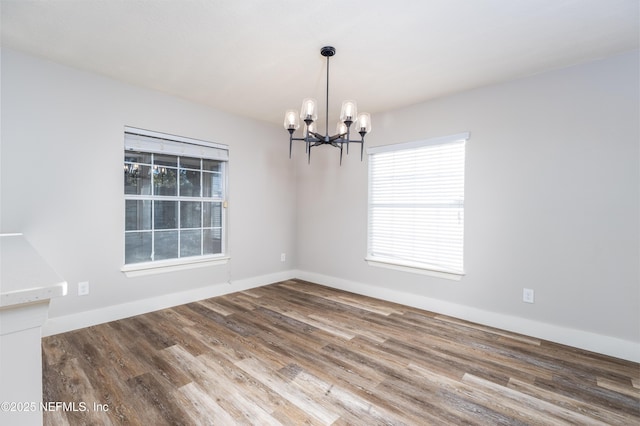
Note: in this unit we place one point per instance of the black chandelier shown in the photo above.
(308, 114)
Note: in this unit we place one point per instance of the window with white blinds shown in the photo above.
(416, 205)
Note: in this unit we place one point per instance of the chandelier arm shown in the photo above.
(361, 142)
(306, 136)
(318, 136)
(348, 124)
(336, 137)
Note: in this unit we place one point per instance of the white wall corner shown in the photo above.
(599, 343)
(84, 319)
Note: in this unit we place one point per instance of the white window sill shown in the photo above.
(415, 269)
(162, 266)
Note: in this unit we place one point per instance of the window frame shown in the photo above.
(156, 143)
(396, 263)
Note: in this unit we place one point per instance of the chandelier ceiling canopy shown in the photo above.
(309, 114)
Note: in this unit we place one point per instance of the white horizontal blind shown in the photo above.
(416, 204)
(158, 143)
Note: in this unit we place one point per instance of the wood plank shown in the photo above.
(298, 353)
(200, 407)
(296, 395)
(529, 408)
(159, 406)
(616, 386)
(594, 411)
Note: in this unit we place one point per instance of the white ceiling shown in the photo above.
(258, 58)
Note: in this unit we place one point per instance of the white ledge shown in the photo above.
(33, 295)
(159, 267)
(25, 276)
(415, 269)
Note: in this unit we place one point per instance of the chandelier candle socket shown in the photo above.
(309, 115)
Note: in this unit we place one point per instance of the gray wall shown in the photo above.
(62, 185)
(552, 188)
(552, 198)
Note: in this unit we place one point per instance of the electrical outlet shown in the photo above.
(527, 295)
(283, 257)
(83, 288)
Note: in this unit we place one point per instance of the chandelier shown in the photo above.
(308, 114)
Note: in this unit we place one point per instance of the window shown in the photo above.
(175, 192)
(416, 206)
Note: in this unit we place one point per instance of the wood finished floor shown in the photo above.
(297, 353)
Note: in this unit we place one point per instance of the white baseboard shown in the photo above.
(83, 319)
(599, 343)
